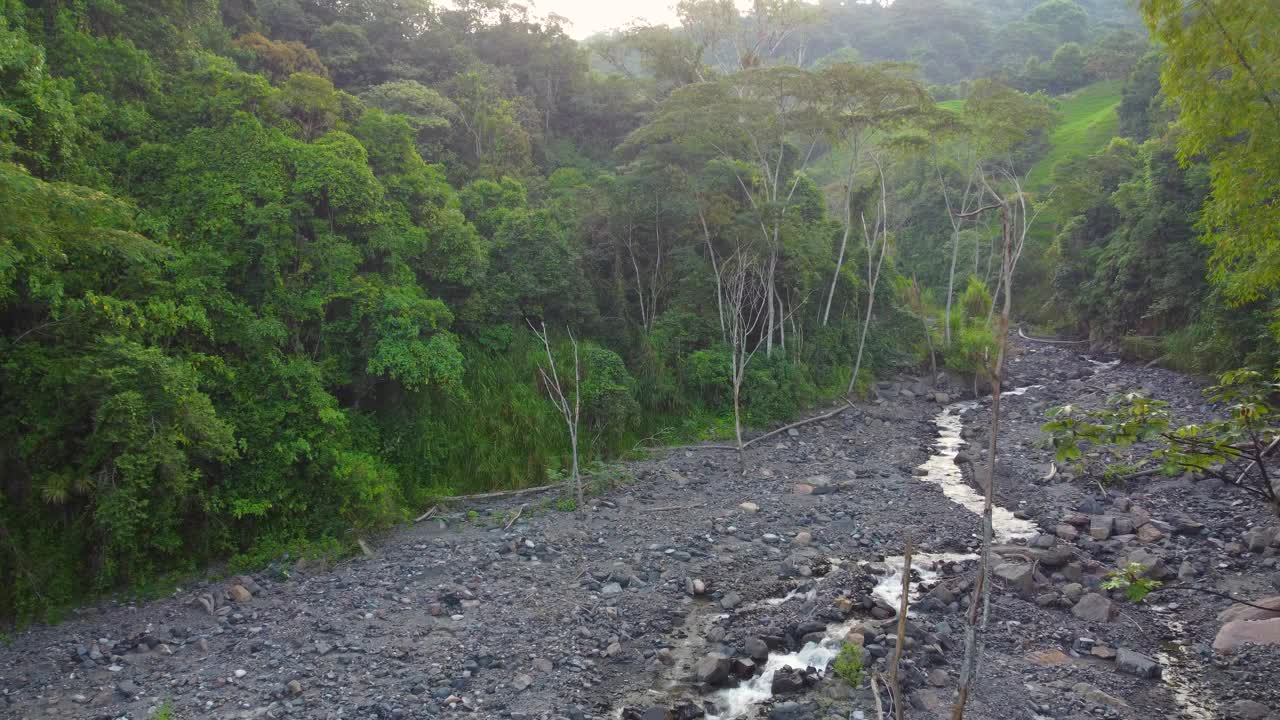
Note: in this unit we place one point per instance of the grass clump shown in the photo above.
(849, 664)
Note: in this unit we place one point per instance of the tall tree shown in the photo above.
(1223, 71)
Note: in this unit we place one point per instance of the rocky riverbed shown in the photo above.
(690, 590)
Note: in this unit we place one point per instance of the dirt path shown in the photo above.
(583, 617)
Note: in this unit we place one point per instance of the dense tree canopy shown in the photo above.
(267, 268)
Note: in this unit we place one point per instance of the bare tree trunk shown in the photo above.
(928, 338)
(635, 265)
(768, 342)
(844, 237)
(951, 283)
(895, 687)
(956, 220)
(737, 422)
(782, 322)
(746, 297)
(980, 602)
(835, 276)
(873, 276)
(570, 413)
(715, 269)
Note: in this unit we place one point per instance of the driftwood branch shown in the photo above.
(676, 507)
(1215, 593)
(746, 444)
(513, 520)
(816, 418)
(1252, 463)
(503, 493)
(1050, 341)
(427, 515)
(875, 692)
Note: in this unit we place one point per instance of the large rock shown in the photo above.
(712, 669)
(1150, 534)
(1259, 539)
(1152, 564)
(756, 648)
(789, 680)
(1101, 526)
(1096, 696)
(1019, 576)
(1132, 663)
(1249, 710)
(1240, 611)
(1244, 632)
(1095, 608)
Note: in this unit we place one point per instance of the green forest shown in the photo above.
(274, 274)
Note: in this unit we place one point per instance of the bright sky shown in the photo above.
(591, 16)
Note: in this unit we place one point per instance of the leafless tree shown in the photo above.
(556, 391)
(746, 294)
(876, 242)
(957, 218)
(1015, 224)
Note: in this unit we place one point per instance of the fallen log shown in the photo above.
(1049, 341)
(784, 428)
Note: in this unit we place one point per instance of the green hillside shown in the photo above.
(1087, 122)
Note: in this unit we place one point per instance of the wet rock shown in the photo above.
(687, 711)
(743, 668)
(1094, 608)
(730, 600)
(1132, 663)
(612, 588)
(695, 586)
(788, 680)
(1067, 532)
(240, 593)
(756, 649)
(652, 713)
(712, 669)
(789, 711)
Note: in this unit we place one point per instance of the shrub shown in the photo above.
(849, 664)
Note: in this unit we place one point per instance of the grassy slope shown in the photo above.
(1087, 122)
